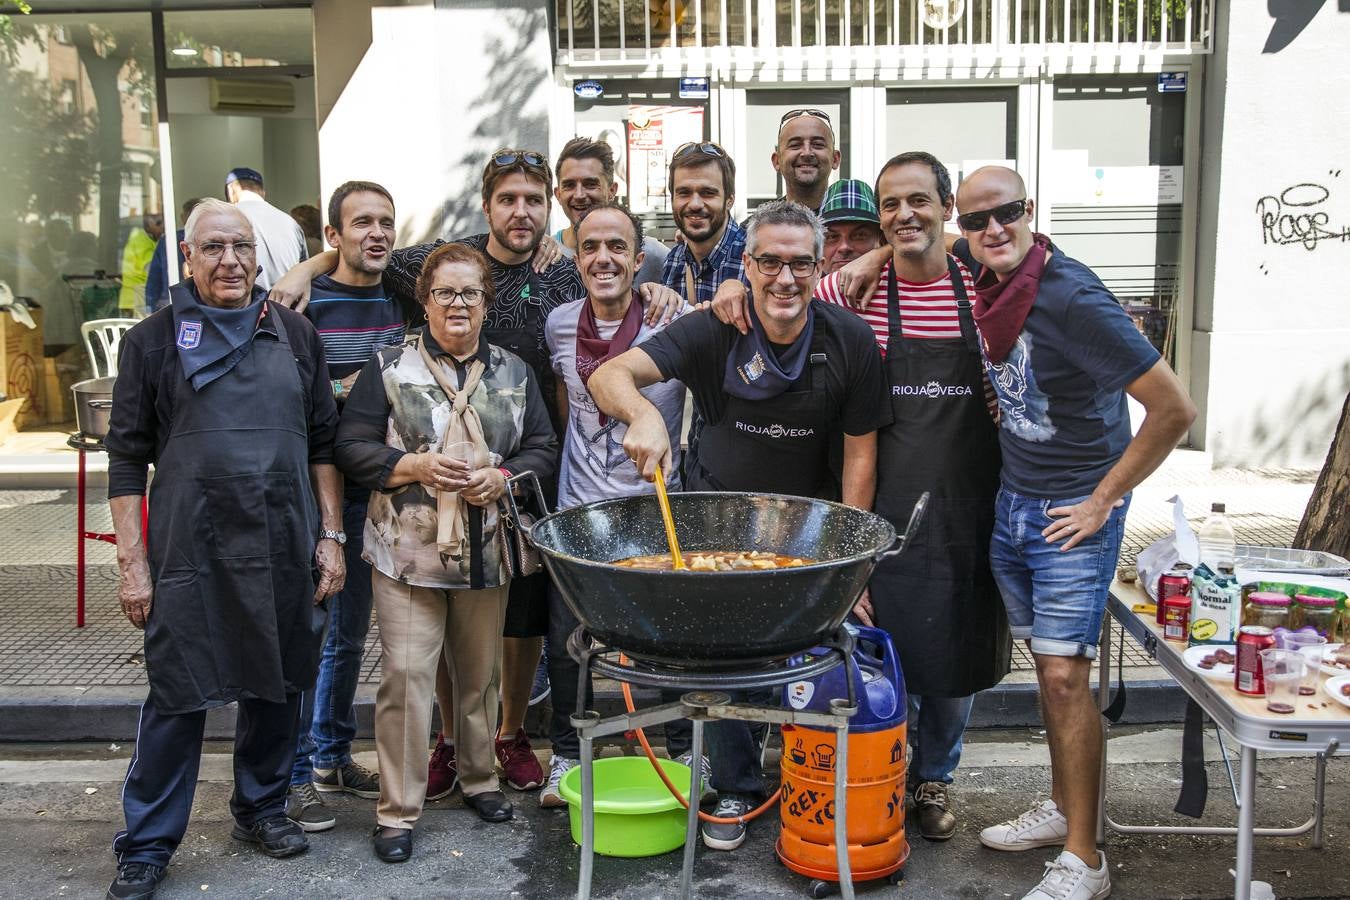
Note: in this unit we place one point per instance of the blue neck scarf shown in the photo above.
(211, 340)
(755, 372)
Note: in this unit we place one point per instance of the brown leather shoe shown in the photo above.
(936, 821)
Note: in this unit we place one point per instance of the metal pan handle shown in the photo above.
(98, 404)
(531, 482)
(915, 517)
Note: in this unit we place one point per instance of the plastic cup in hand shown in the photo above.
(466, 451)
(1282, 671)
(1313, 647)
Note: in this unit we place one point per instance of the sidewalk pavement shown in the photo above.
(59, 808)
(59, 682)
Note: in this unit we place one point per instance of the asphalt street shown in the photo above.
(59, 807)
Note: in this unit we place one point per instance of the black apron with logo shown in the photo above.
(233, 525)
(777, 446)
(938, 599)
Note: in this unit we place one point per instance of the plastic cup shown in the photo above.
(466, 451)
(1312, 646)
(1282, 671)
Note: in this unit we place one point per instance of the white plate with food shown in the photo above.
(1214, 661)
(1338, 689)
(1336, 659)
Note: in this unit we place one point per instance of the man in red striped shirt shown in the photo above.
(938, 600)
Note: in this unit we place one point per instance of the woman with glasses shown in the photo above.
(434, 427)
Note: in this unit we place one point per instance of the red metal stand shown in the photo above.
(83, 445)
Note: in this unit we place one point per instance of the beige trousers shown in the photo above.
(416, 625)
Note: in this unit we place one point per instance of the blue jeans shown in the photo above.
(733, 751)
(1055, 599)
(936, 727)
(327, 719)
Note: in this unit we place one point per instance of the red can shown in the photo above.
(1177, 618)
(1251, 640)
(1176, 583)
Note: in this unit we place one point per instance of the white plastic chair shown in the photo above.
(107, 335)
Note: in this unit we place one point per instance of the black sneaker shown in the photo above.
(541, 688)
(136, 881)
(304, 808)
(720, 836)
(353, 778)
(277, 836)
(936, 821)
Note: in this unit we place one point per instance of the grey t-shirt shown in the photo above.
(594, 466)
(652, 263)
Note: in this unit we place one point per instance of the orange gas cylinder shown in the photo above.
(877, 847)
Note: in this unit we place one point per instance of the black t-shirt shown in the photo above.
(695, 347)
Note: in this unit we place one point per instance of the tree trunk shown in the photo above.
(104, 72)
(1326, 521)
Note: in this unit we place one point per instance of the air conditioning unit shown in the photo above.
(252, 95)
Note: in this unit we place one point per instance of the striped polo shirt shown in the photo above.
(927, 310)
(353, 322)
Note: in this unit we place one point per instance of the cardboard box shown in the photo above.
(21, 363)
(60, 373)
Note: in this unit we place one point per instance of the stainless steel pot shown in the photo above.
(93, 405)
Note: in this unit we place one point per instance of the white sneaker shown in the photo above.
(1041, 826)
(552, 797)
(706, 767)
(1069, 878)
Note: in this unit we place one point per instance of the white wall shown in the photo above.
(436, 91)
(1272, 325)
(206, 145)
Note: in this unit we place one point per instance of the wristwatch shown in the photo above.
(339, 536)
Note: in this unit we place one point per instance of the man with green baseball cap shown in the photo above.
(852, 223)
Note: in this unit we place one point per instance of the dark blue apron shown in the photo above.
(938, 599)
(233, 525)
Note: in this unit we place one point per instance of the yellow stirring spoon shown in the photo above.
(669, 519)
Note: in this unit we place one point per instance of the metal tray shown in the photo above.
(1291, 561)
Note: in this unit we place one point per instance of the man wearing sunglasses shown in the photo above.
(702, 185)
(1062, 354)
(773, 402)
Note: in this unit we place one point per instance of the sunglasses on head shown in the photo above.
(798, 113)
(1006, 214)
(707, 148)
(511, 157)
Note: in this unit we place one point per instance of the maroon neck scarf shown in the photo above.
(592, 350)
(1001, 307)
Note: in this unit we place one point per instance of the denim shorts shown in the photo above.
(1055, 599)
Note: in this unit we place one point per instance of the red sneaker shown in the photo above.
(519, 764)
(443, 771)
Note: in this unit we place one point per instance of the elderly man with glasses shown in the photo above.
(242, 545)
(773, 402)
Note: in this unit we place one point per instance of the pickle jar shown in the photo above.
(1268, 609)
(1319, 612)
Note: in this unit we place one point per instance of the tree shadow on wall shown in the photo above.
(501, 114)
(1317, 402)
(1291, 17)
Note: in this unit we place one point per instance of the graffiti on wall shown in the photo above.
(1301, 215)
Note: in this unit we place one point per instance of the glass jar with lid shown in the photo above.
(1269, 609)
(1319, 612)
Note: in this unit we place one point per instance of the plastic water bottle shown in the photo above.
(1218, 544)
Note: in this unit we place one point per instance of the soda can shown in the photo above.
(1172, 584)
(1247, 676)
(1177, 618)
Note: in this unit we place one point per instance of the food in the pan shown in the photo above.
(717, 561)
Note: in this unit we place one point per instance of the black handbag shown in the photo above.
(513, 528)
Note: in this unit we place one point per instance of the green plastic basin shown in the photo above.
(635, 814)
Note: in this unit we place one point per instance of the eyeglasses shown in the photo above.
(1006, 214)
(511, 157)
(772, 265)
(798, 113)
(216, 249)
(447, 296)
(707, 148)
